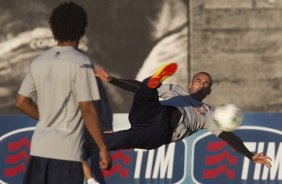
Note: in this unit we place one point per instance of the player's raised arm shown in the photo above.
(126, 84)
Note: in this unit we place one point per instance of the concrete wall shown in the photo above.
(240, 43)
(237, 41)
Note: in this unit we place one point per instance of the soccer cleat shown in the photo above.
(163, 73)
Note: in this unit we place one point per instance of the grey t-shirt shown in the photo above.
(60, 78)
(195, 115)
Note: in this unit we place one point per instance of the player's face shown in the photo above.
(200, 87)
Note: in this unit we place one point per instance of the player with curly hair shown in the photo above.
(64, 85)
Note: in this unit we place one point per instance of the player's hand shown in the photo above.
(259, 158)
(102, 74)
(105, 160)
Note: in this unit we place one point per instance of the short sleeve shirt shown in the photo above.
(59, 79)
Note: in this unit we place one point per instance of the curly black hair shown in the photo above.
(68, 22)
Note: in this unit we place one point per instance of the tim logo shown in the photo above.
(166, 164)
(214, 161)
(14, 155)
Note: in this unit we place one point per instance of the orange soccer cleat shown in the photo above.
(163, 73)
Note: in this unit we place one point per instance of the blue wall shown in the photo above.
(201, 158)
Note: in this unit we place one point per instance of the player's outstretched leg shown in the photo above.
(163, 73)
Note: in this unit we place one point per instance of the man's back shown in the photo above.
(64, 86)
(59, 77)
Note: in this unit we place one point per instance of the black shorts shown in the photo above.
(52, 171)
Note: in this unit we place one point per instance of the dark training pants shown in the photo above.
(149, 124)
(52, 171)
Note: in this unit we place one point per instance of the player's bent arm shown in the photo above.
(92, 124)
(239, 146)
(27, 106)
(126, 84)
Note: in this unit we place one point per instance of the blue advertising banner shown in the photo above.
(213, 161)
(201, 158)
(15, 136)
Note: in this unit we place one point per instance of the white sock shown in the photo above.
(92, 181)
